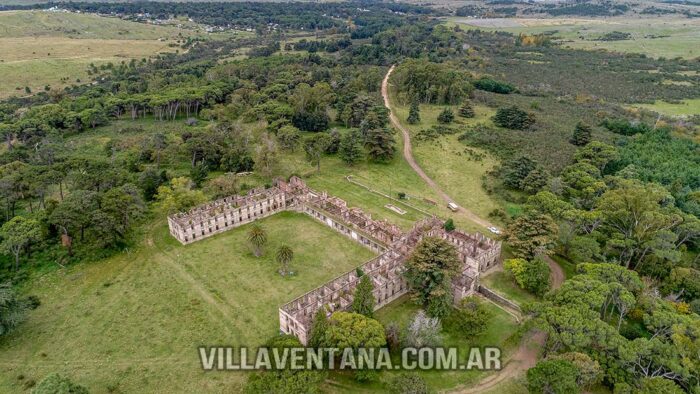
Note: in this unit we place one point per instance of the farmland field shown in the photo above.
(44, 48)
(682, 108)
(657, 37)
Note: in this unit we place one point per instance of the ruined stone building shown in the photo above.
(476, 252)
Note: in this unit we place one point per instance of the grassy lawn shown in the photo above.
(657, 36)
(502, 332)
(502, 283)
(132, 323)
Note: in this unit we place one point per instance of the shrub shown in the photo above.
(582, 134)
(414, 113)
(408, 383)
(513, 118)
(466, 110)
(532, 276)
(57, 384)
(625, 127)
(491, 85)
(393, 336)
(446, 116)
(449, 225)
(468, 319)
(424, 331)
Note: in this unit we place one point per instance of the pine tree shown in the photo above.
(350, 149)
(318, 328)
(466, 110)
(446, 116)
(414, 113)
(582, 134)
(363, 300)
(381, 145)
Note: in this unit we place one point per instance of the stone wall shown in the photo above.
(476, 252)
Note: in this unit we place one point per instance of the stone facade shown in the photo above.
(476, 252)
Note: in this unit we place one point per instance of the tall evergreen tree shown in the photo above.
(429, 271)
(414, 113)
(363, 300)
(318, 328)
(350, 149)
(466, 110)
(582, 134)
(381, 145)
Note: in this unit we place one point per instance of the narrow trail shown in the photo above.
(556, 273)
(408, 155)
(527, 353)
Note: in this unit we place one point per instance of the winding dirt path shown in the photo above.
(524, 359)
(556, 273)
(528, 352)
(408, 155)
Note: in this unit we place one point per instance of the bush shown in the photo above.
(532, 276)
(466, 110)
(468, 319)
(414, 113)
(446, 116)
(33, 302)
(408, 383)
(625, 127)
(424, 331)
(513, 118)
(493, 86)
(449, 225)
(57, 384)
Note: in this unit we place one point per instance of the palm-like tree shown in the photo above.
(285, 255)
(257, 237)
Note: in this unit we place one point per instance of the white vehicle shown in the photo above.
(494, 230)
(453, 207)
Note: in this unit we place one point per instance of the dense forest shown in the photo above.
(615, 190)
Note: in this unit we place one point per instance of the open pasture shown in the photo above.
(132, 323)
(657, 37)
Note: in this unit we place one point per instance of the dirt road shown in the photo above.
(408, 155)
(556, 273)
(526, 355)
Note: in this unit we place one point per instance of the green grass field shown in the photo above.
(447, 162)
(73, 25)
(132, 323)
(51, 48)
(658, 37)
(684, 108)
